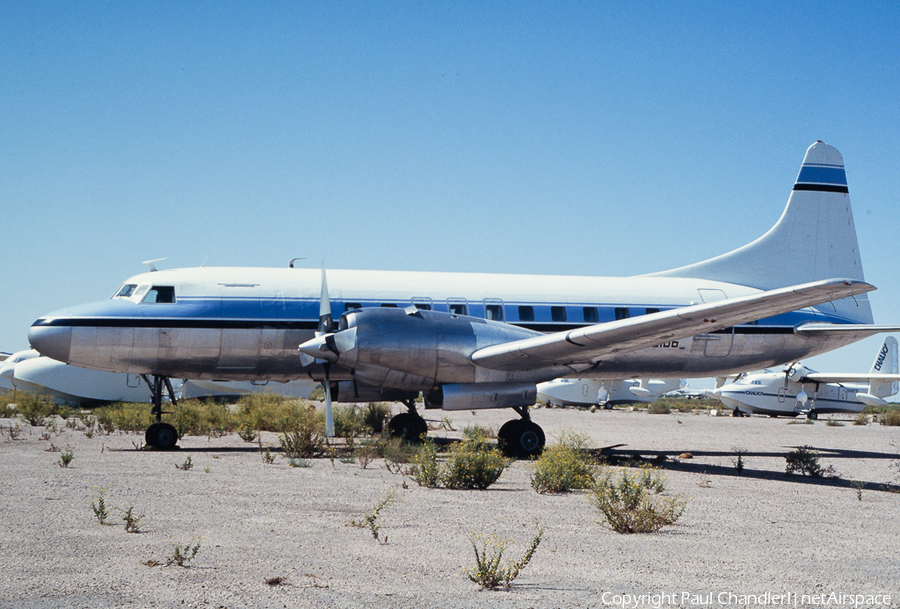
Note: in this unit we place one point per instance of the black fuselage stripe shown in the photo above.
(277, 324)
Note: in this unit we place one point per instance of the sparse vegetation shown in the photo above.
(627, 504)
(858, 485)
(65, 457)
(830, 422)
(488, 572)
(370, 519)
(183, 554)
(99, 507)
(187, 465)
(132, 520)
(806, 461)
(297, 462)
(861, 418)
(375, 415)
(739, 460)
(564, 466)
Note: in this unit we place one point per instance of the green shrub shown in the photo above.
(628, 506)
(303, 436)
(375, 415)
(125, 417)
(890, 418)
(270, 412)
(35, 409)
(471, 464)
(806, 461)
(202, 418)
(861, 418)
(349, 422)
(658, 408)
(424, 465)
(564, 466)
(488, 572)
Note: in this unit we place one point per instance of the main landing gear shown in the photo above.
(159, 435)
(521, 438)
(408, 425)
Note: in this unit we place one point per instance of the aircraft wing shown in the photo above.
(826, 377)
(592, 343)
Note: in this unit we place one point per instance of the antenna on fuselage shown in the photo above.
(151, 264)
(291, 263)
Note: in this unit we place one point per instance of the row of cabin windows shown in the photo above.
(494, 312)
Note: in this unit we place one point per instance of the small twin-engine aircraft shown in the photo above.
(469, 341)
(799, 390)
(588, 392)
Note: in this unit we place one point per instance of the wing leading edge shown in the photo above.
(592, 343)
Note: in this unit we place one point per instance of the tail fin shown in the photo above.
(814, 239)
(886, 362)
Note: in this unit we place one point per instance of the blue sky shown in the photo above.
(590, 138)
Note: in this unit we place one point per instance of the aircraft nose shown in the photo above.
(52, 341)
(6, 372)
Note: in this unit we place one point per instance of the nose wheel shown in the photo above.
(159, 435)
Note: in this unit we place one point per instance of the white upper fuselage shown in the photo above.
(246, 323)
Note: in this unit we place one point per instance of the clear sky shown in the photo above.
(586, 138)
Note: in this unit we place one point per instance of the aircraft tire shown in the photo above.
(410, 427)
(161, 436)
(521, 439)
(812, 415)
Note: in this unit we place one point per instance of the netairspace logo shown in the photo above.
(732, 599)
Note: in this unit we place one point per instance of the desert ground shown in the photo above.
(756, 539)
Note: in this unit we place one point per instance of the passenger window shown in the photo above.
(651, 310)
(423, 307)
(458, 309)
(526, 313)
(351, 306)
(494, 312)
(622, 313)
(389, 305)
(591, 315)
(558, 313)
(160, 294)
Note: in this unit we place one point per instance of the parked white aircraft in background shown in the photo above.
(74, 386)
(469, 341)
(8, 365)
(799, 390)
(235, 389)
(587, 392)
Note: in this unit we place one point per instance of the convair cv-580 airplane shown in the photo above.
(469, 341)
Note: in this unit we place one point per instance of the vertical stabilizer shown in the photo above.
(886, 362)
(814, 239)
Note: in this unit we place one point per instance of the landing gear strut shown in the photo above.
(521, 438)
(408, 425)
(160, 435)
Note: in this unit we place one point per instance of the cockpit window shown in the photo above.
(159, 294)
(126, 290)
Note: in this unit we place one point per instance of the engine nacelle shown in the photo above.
(412, 349)
(796, 373)
(351, 391)
(477, 396)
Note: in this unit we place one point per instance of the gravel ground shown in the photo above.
(743, 541)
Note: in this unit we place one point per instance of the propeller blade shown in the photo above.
(329, 413)
(326, 324)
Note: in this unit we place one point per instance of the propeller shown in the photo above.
(321, 353)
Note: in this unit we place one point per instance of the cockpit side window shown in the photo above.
(160, 294)
(126, 290)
